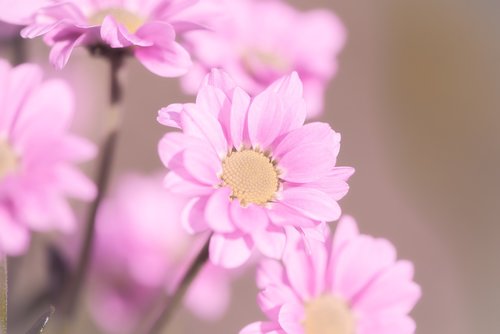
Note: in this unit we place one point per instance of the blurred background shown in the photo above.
(417, 101)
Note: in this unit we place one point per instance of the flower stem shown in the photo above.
(171, 305)
(3, 294)
(103, 175)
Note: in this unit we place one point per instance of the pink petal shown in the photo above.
(283, 215)
(310, 133)
(14, 236)
(220, 79)
(75, 184)
(299, 271)
(335, 182)
(209, 295)
(202, 165)
(217, 211)
(117, 36)
(206, 127)
(265, 117)
(193, 215)
(291, 317)
(269, 272)
(62, 50)
(239, 109)
(387, 324)
(248, 219)
(393, 292)
(171, 115)
(22, 81)
(170, 62)
(176, 184)
(359, 262)
(229, 252)
(345, 232)
(262, 328)
(312, 203)
(270, 241)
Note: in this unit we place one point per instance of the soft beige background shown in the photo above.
(417, 100)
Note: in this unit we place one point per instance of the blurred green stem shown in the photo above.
(73, 289)
(3, 294)
(172, 304)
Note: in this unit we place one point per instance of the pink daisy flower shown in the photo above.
(260, 41)
(141, 251)
(36, 157)
(147, 28)
(251, 167)
(351, 285)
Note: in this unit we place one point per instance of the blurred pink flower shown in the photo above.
(147, 27)
(351, 285)
(36, 157)
(260, 41)
(141, 251)
(251, 167)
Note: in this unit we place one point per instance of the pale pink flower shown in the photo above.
(260, 41)
(251, 167)
(36, 157)
(141, 251)
(148, 28)
(351, 285)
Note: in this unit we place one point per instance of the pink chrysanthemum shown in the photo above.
(147, 27)
(36, 157)
(140, 253)
(251, 167)
(260, 41)
(351, 285)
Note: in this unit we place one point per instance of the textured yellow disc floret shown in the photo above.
(8, 159)
(128, 19)
(251, 175)
(328, 314)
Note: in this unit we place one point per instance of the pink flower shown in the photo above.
(351, 285)
(36, 157)
(141, 251)
(251, 167)
(147, 28)
(260, 41)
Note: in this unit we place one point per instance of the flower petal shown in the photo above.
(205, 126)
(312, 203)
(248, 219)
(193, 215)
(230, 252)
(265, 117)
(217, 211)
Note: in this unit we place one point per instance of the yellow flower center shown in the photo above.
(251, 175)
(254, 59)
(9, 160)
(328, 314)
(128, 19)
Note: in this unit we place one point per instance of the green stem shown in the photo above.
(172, 304)
(3, 294)
(75, 286)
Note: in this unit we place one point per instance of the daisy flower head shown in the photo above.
(251, 167)
(259, 41)
(127, 280)
(352, 284)
(146, 28)
(36, 157)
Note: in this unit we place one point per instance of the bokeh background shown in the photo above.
(417, 100)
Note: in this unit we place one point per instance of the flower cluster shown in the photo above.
(148, 29)
(246, 173)
(251, 167)
(145, 217)
(37, 154)
(258, 42)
